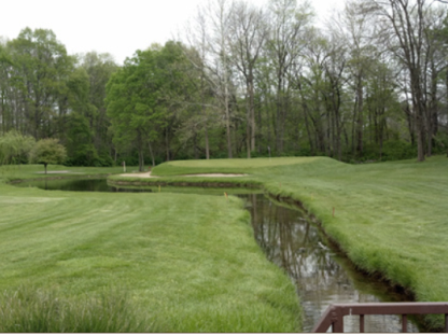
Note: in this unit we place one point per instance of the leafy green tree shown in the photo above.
(147, 98)
(6, 65)
(79, 142)
(132, 102)
(41, 69)
(179, 86)
(99, 68)
(48, 151)
(14, 147)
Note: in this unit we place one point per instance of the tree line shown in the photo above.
(243, 81)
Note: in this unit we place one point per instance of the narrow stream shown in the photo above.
(321, 275)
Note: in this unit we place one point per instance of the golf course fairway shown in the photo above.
(141, 262)
(189, 262)
(391, 219)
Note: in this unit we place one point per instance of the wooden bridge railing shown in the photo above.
(334, 315)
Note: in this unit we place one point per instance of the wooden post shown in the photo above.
(404, 322)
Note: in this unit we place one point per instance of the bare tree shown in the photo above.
(404, 24)
(356, 29)
(334, 66)
(249, 31)
(435, 63)
(210, 35)
(288, 24)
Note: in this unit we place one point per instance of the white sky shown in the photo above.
(115, 26)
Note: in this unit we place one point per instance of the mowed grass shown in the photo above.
(389, 217)
(143, 262)
(236, 165)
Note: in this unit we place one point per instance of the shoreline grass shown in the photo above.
(188, 262)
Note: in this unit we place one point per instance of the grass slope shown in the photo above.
(389, 217)
(179, 263)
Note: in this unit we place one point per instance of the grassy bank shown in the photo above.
(173, 262)
(389, 217)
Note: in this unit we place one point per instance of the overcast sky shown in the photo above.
(115, 26)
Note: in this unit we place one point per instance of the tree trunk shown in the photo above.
(195, 145)
(152, 154)
(167, 145)
(306, 112)
(410, 118)
(355, 109)
(359, 130)
(417, 100)
(249, 131)
(229, 140)
(279, 118)
(252, 115)
(141, 162)
(207, 147)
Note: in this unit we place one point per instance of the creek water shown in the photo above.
(322, 275)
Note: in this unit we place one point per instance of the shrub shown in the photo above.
(396, 150)
(48, 151)
(15, 147)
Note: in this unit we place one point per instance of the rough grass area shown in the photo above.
(389, 217)
(32, 310)
(178, 263)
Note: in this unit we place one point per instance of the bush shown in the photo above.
(397, 150)
(104, 160)
(15, 147)
(48, 151)
(304, 152)
(392, 150)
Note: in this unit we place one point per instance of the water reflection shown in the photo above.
(321, 276)
(82, 185)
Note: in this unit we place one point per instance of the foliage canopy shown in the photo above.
(48, 151)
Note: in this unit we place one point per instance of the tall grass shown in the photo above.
(29, 310)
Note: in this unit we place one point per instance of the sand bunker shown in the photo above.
(148, 175)
(138, 175)
(215, 175)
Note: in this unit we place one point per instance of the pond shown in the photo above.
(322, 275)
